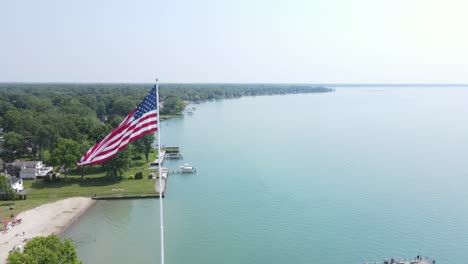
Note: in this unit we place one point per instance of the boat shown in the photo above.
(187, 168)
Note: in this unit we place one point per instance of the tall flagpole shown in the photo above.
(160, 179)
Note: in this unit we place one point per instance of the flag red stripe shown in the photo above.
(123, 137)
(139, 122)
(94, 162)
(114, 144)
(131, 126)
(111, 134)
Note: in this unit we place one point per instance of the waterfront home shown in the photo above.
(29, 169)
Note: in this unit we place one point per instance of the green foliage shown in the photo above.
(203, 92)
(51, 178)
(99, 132)
(118, 165)
(48, 178)
(66, 154)
(40, 114)
(45, 136)
(144, 145)
(172, 105)
(139, 175)
(6, 192)
(46, 250)
(14, 146)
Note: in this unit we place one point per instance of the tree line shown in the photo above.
(58, 122)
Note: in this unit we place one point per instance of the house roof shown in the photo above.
(15, 180)
(171, 149)
(27, 164)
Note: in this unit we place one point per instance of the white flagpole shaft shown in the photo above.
(160, 178)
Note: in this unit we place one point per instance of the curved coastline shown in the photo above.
(51, 218)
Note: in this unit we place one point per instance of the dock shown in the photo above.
(168, 153)
(159, 159)
(183, 171)
(172, 153)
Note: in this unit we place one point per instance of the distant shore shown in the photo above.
(51, 218)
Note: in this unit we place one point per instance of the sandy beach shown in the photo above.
(52, 218)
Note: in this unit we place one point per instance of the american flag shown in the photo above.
(141, 121)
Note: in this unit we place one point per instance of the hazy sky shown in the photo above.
(327, 41)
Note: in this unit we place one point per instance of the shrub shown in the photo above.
(139, 175)
(6, 192)
(48, 178)
(49, 249)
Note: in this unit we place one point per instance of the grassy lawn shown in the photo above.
(94, 183)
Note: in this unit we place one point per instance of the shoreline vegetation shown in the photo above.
(35, 119)
(35, 116)
(95, 183)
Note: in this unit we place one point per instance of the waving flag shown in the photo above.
(141, 121)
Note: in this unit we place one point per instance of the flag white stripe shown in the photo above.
(122, 143)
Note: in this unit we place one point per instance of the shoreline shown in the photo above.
(51, 218)
(76, 218)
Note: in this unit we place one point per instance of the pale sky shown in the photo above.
(240, 41)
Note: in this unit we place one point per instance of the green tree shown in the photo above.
(46, 136)
(144, 145)
(118, 164)
(6, 192)
(66, 154)
(122, 106)
(14, 146)
(173, 105)
(84, 147)
(11, 120)
(46, 250)
(115, 121)
(99, 132)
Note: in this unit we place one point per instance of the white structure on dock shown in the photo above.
(187, 168)
(172, 153)
(158, 160)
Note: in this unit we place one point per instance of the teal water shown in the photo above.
(359, 174)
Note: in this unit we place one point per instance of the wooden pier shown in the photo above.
(168, 153)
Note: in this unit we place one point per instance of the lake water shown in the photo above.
(358, 174)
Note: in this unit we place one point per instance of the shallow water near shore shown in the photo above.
(358, 174)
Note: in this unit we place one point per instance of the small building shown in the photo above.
(172, 152)
(31, 169)
(16, 184)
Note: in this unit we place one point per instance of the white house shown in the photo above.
(16, 184)
(31, 169)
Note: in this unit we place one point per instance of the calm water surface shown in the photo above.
(359, 174)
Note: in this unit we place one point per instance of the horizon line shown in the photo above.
(253, 83)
